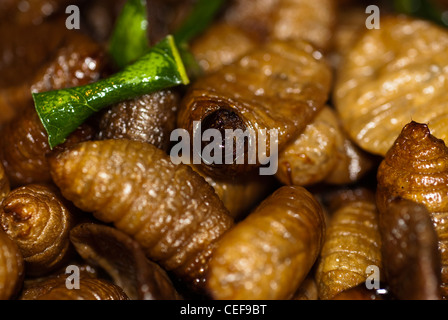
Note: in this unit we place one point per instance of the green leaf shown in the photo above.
(129, 40)
(62, 111)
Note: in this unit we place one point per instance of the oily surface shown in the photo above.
(352, 243)
(38, 221)
(149, 118)
(124, 260)
(221, 44)
(415, 168)
(11, 267)
(410, 252)
(285, 19)
(322, 152)
(170, 210)
(269, 254)
(376, 95)
(89, 289)
(279, 86)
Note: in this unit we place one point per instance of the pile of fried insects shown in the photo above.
(95, 207)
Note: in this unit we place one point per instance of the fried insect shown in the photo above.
(270, 253)
(149, 118)
(89, 289)
(44, 57)
(376, 95)
(34, 287)
(37, 219)
(312, 21)
(23, 140)
(415, 168)
(280, 86)
(322, 153)
(221, 44)
(124, 260)
(352, 243)
(240, 196)
(409, 249)
(169, 209)
(24, 148)
(11, 268)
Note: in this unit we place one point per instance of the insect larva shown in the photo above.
(352, 243)
(169, 209)
(11, 268)
(38, 221)
(270, 252)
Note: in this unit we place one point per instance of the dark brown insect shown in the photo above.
(280, 86)
(11, 268)
(415, 168)
(352, 243)
(409, 249)
(36, 217)
(124, 260)
(23, 140)
(270, 252)
(169, 209)
(149, 118)
(24, 147)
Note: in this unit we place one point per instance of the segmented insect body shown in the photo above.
(169, 209)
(352, 243)
(269, 254)
(12, 267)
(36, 217)
(376, 95)
(415, 168)
(278, 87)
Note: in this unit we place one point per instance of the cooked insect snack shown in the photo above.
(198, 150)
(352, 243)
(38, 221)
(269, 254)
(124, 260)
(409, 249)
(322, 153)
(392, 76)
(35, 287)
(149, 118)
(24, 148)
(312, 21)
(11, 268)
(221, 44)
(280, 86)
(241, 195)
(89, 289)
(415, 168)
(169, 209)
(79, 61)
